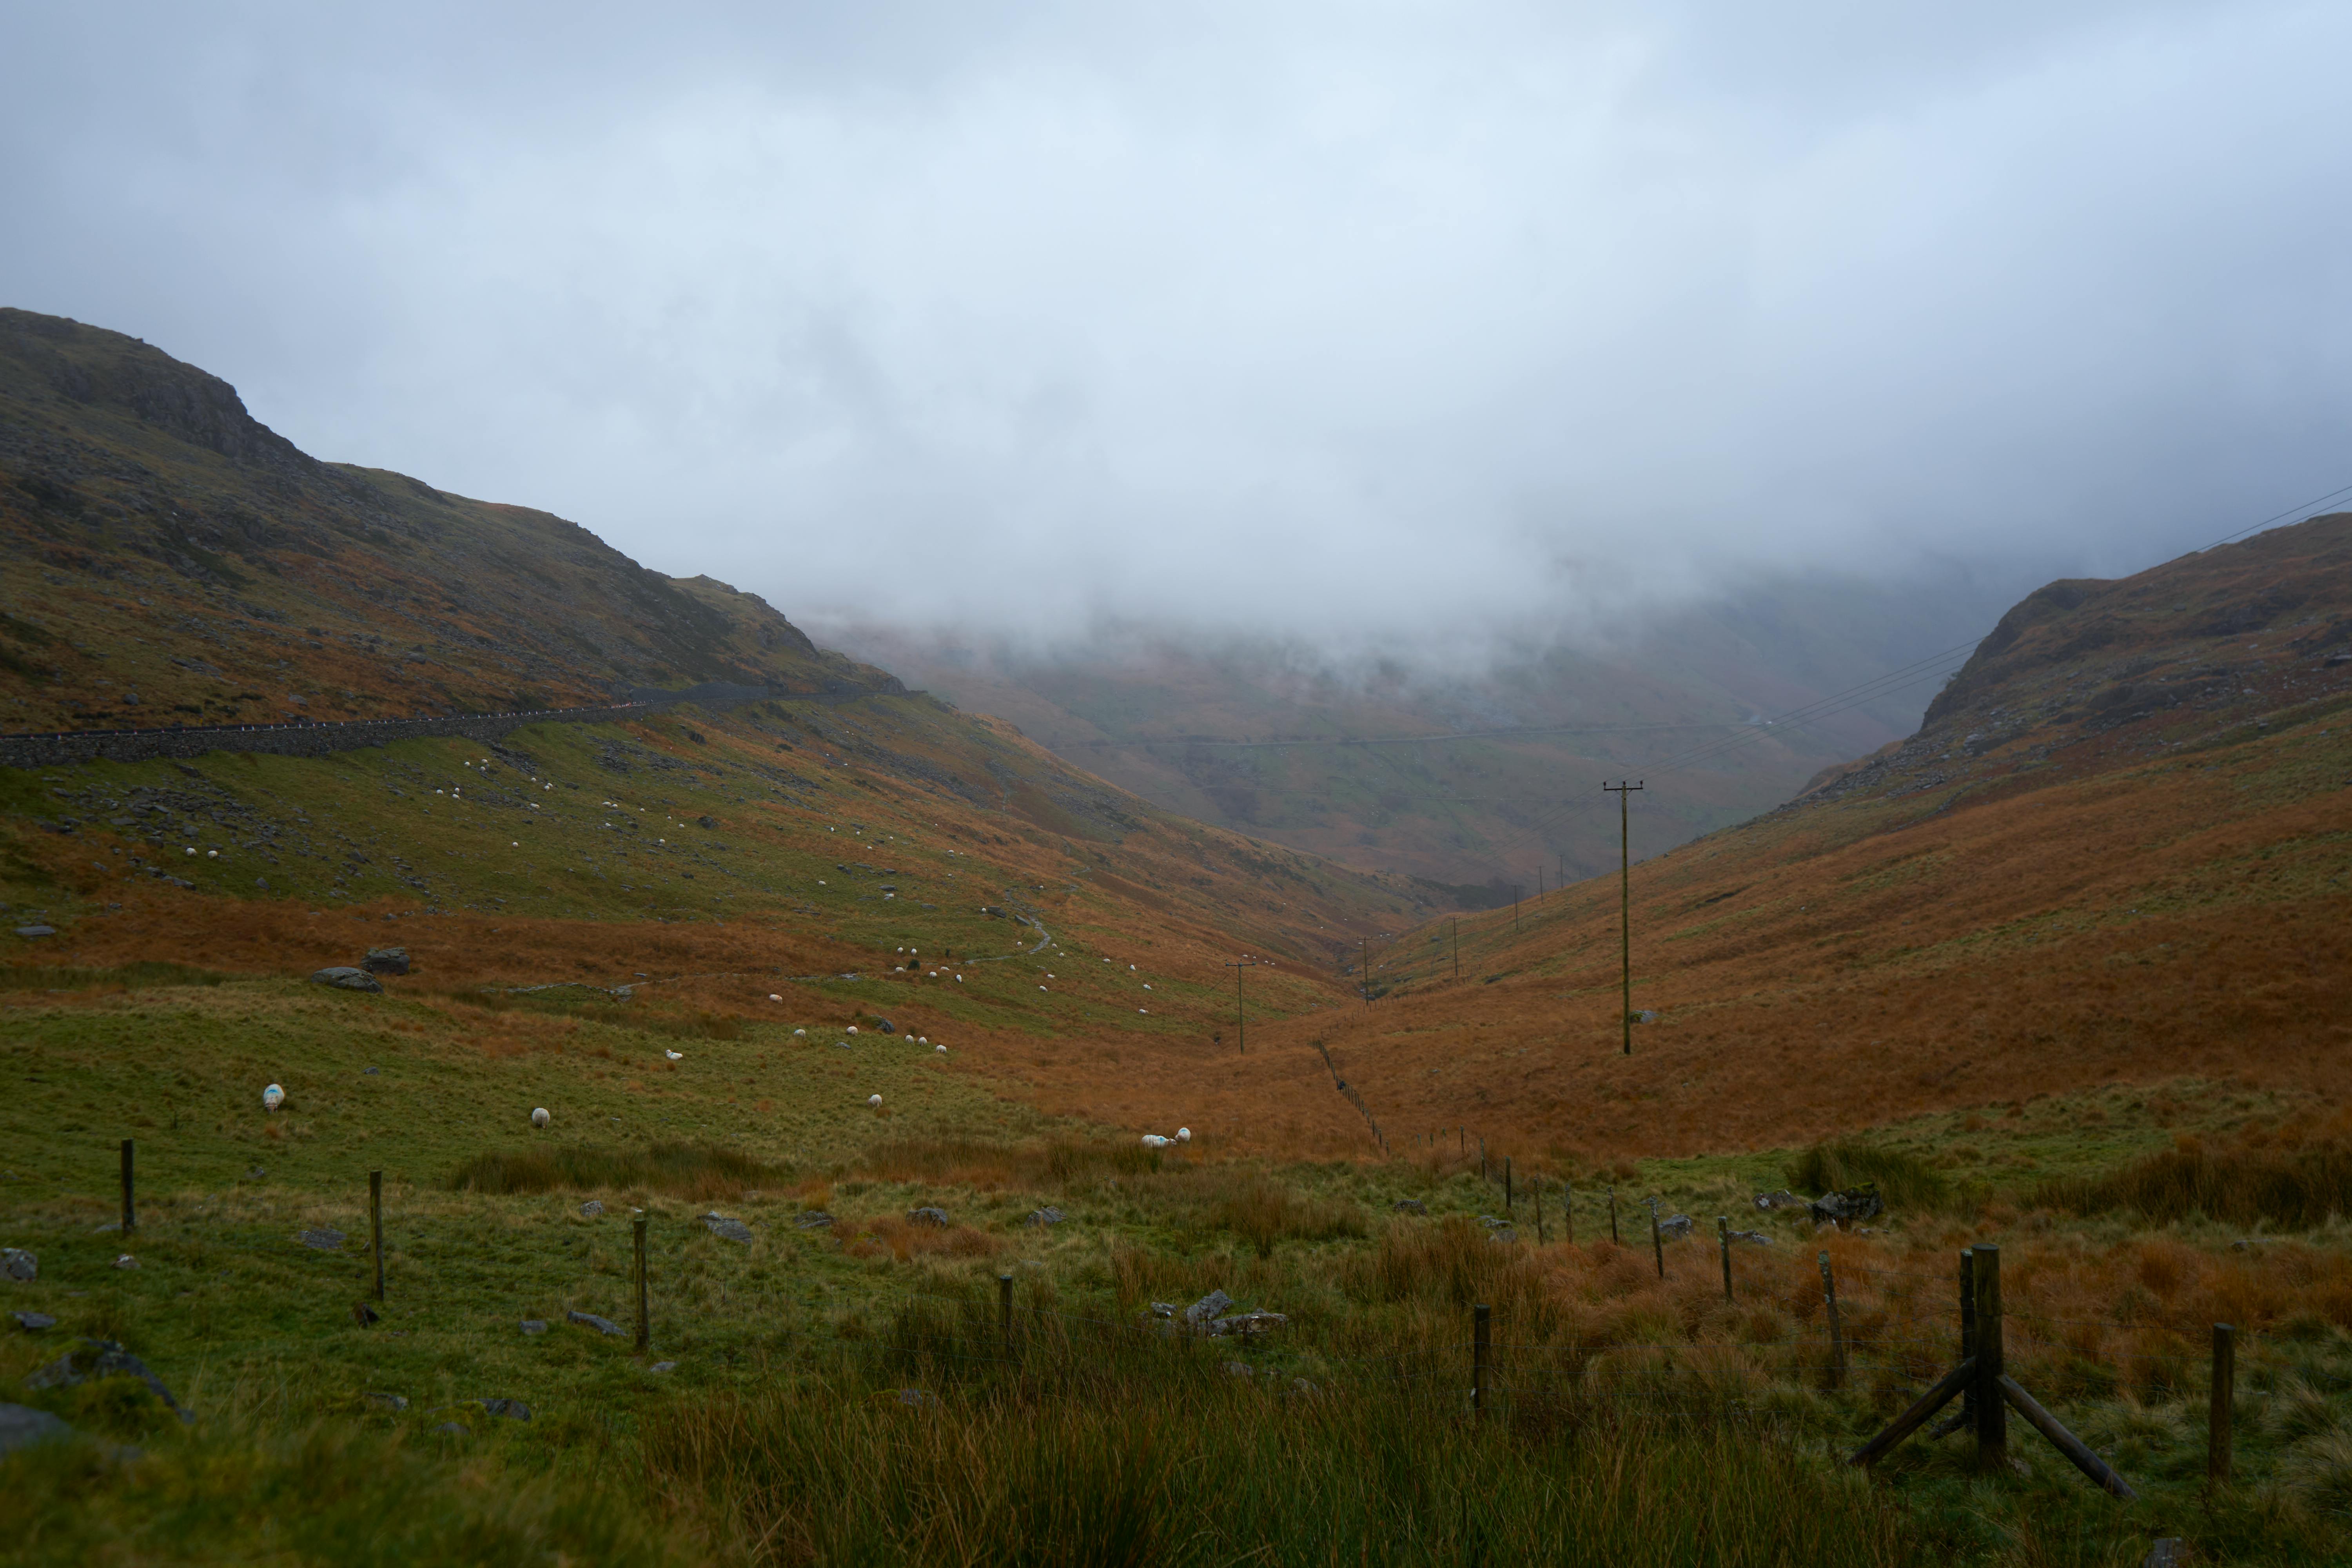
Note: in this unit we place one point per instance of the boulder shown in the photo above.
(727, 1229)
(385, 960)
(1784, 1199)
(343, 977)
(885, 1026)
(928, 1216)
(1411, 1205)
(1849, 1206)
(34, 1322)
(1049, 1215)
(591, 1209)
(102, 1358)
(17, 1264)
(1674, 1227)
(512, 1409)
(534, 1325)
(324, 1239)
(1247, 1325)
(1752, 1237)
(591, 1321)
(21, 1426)
(1207, 1309)
(29, 933)
(813, 1219)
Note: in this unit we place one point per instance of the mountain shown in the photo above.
(170, 559)
(172, 562)
(2114, 854)
(1482, 778)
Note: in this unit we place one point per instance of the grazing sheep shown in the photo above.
(272, 1098)
(874, 1100)
(540, 1118)
(1183, 1135)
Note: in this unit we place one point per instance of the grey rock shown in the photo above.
(727, 1229)
(1163, 1308)
(885, 1026)
(1247, 1325)
(1238, 1369)
(30, 931)
(1049, 1215)
(19, 1264)
(327, 1238)
(928, 1216)
(34, 1322)
(663, 1367)
(512, 1409)
(918, 1399)
(102, 1358)
(1207, 1309)
(385, 960)
(590, 1320)
(1784, 1199)
(591, 1209)
(1411, 1205)
(1848, 1207)
(343, 977)
(126, 1262)
(391, 1401)
(21, 1426)
(1751, 1238)
(1674, 1227)
(534, 1325)
(452, 1429)
(813, 1220)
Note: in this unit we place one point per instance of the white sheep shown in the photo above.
(272, 1098)
(540, 1118)
(874, 1100)
(940, 1049)
(1183, 1135)
(1153, 1140)
(674, 1056)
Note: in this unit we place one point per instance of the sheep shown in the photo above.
(1183, 1135)
(874, 1100)
(272, 1098)
(1153, 1140)
(674, 1056)
(540, 1118)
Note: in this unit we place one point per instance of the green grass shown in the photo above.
(2295, 1187)
(679, 1170)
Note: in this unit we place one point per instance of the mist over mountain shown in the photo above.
(1481, 772)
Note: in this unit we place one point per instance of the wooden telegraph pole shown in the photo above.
(1622, 789)
(1241, 1022)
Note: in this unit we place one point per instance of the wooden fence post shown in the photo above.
(1967, 1331)
(1837, 1334)
(130, 1208)
(2217, 1424)
(375, 1226)
(1992, 1407)
(1479, 1339)
(1657, 1242)
(1506, 1184)
(1567, 1212)
(1723, 1238)
(1004, 1309)
(1612, 1213)
(645, 1324)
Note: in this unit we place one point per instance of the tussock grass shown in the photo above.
(1054, 1165)
(1157, 1455)
(329, 1492)
(682, 1170)
(1905, 1179)
(1261, 1212)
(2296, 1184)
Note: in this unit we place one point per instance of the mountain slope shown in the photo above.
(170, 559)
(2117, 853)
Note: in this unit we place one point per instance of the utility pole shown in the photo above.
(1515, 906)
(1457, 947)
(1622, 790)
(1241, 1022)
(1540, 884)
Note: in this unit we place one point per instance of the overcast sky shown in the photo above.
(1296, 316)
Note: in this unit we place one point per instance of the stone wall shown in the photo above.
(315, 740)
